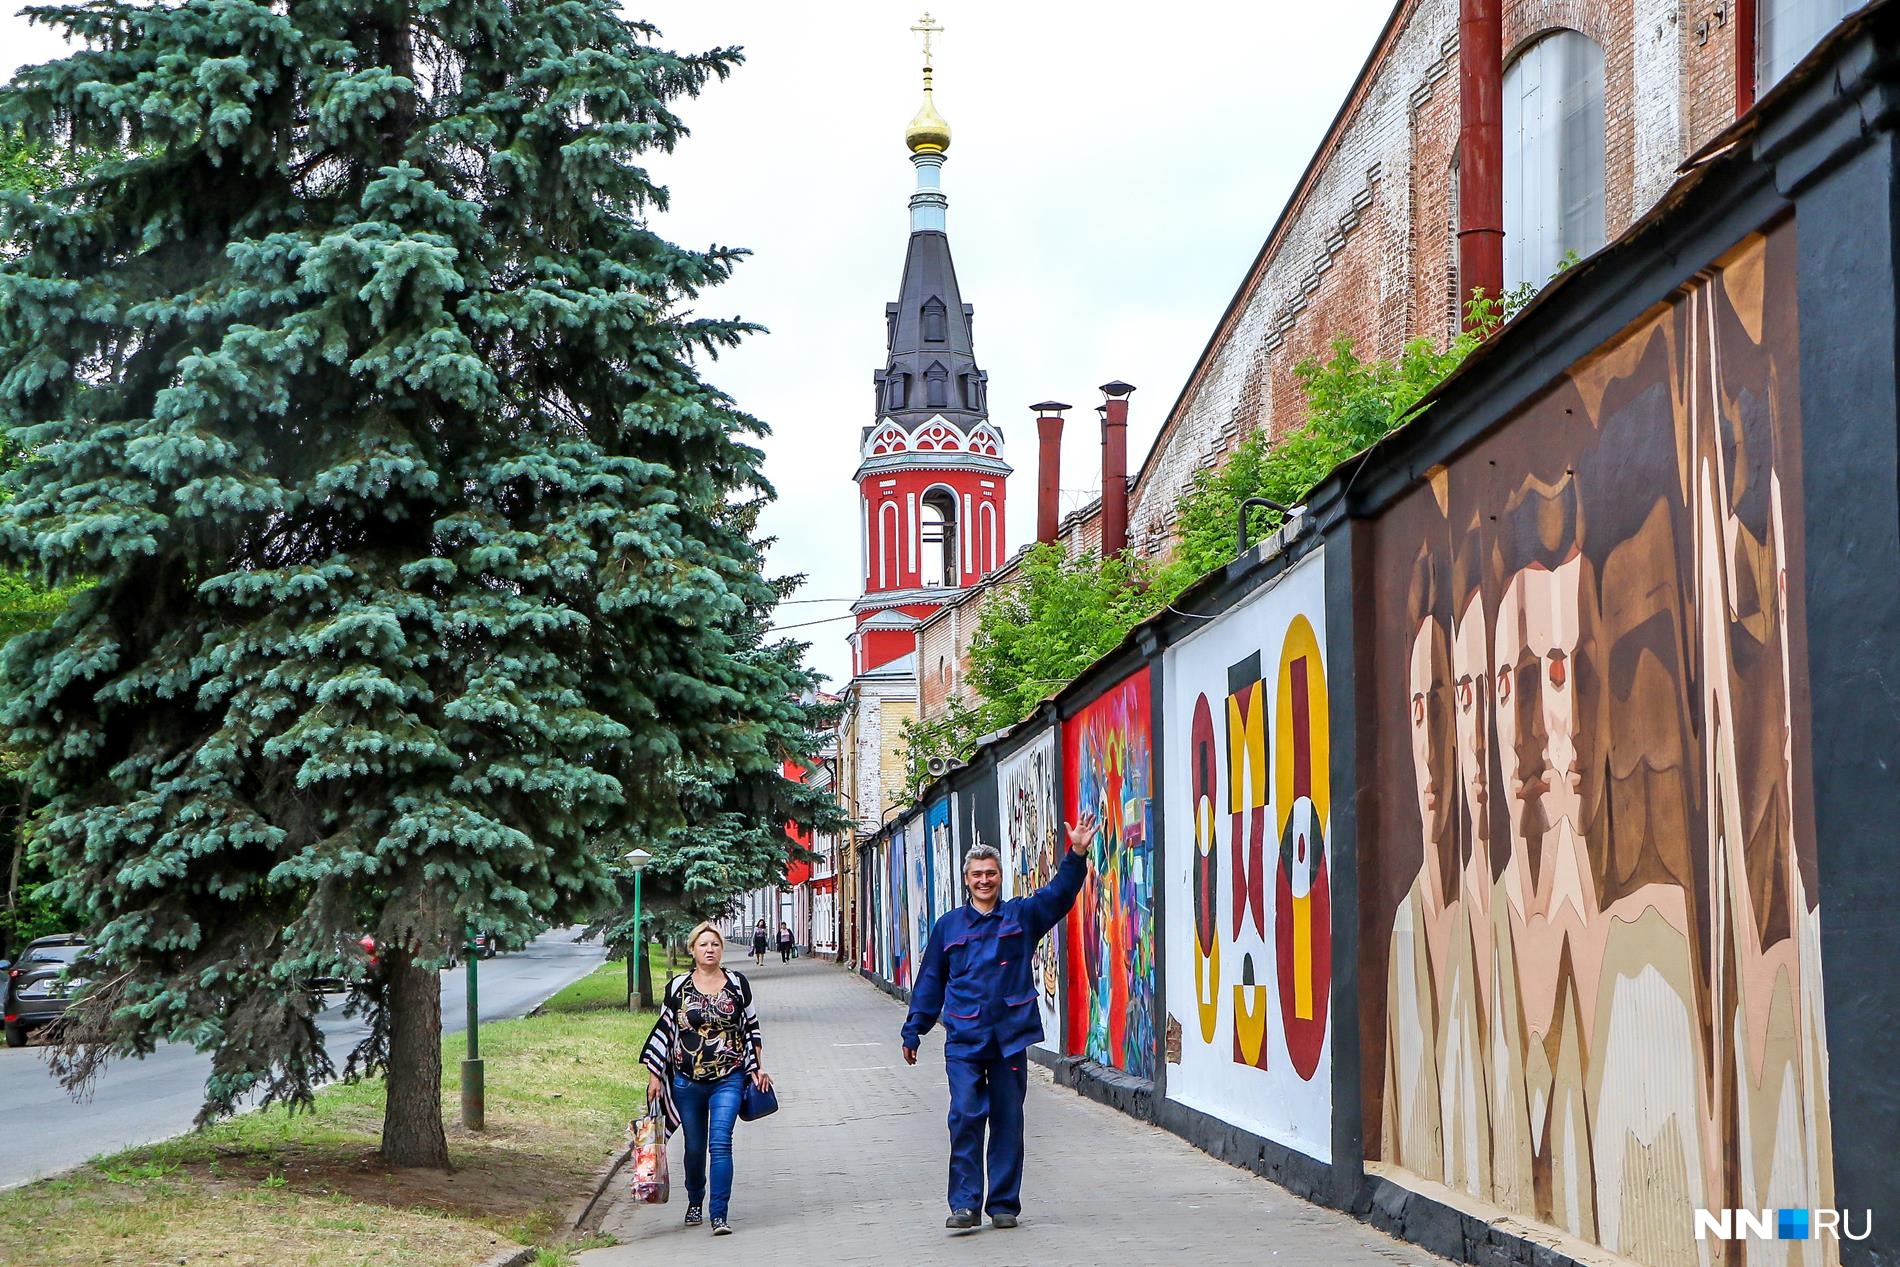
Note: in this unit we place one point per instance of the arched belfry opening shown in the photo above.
(937, 562)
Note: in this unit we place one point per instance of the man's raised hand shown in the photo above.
(1082, 833)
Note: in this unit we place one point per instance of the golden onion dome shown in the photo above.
(929, 132)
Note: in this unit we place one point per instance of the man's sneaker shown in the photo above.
(963, 1219)
(1002, 1220)
(721, 1228)
(694, 1216)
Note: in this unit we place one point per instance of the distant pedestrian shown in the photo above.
(976, 974)
(785, 942)
(705, 1045)
(759, 944)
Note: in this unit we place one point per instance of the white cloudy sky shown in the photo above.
(1114, 168)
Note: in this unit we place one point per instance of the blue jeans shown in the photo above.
(703, 1105)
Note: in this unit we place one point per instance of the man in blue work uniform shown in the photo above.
(976, 975)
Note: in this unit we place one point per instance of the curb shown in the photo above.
(512, 1258)
(586, 1209)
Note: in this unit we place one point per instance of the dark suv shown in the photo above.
(35, 995)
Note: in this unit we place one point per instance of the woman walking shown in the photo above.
(706, 1044)
(758, 944)
(785, 943)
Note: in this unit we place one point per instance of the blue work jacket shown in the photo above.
(975, 972)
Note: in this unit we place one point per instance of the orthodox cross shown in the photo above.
(927, 27)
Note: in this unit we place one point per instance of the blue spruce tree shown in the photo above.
(352, 377)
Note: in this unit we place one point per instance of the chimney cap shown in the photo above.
(1051, 407)
(1117, 388)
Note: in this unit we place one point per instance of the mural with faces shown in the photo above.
(1249, 894)
(1032, 849)
(1591, 871)
(1108, 770)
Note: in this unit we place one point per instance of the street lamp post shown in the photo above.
(474, 1092)
(637, 859)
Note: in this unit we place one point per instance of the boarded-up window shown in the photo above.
(1553, 156)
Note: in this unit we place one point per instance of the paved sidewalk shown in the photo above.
(852, 1169)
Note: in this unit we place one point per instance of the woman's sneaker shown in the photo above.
(694, 1216)
(721, 1228)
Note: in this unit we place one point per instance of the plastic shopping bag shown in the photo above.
(652, 1183)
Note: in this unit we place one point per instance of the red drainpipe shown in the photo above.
(1480, 151)
(1744, 56)
(1048, 470)
(1115, 468)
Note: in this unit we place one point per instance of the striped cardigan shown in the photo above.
(662, 1044)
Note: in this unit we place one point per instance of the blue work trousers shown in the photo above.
(987, 1091)
(707, 1112)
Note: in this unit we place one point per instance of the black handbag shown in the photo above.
(754, 1103)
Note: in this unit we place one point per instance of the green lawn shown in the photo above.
(274, 1188)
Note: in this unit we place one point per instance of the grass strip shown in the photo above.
(308, 1190)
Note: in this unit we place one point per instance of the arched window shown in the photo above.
(1784, 32)
(938, 532)
(936, 387)
(934, 321)
(1553, 156)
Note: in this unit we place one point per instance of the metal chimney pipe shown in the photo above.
(1048, 470)
(1114, 410)
(1480, 152)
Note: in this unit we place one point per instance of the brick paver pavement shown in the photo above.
(852, 1169)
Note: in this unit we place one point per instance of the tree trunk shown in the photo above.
(19, 844)
(412, 1115)
(644, 974)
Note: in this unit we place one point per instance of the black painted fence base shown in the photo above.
(1424, 1220)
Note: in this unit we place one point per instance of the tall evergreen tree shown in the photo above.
(365, 392)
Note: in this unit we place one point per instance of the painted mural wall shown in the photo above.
(1590, 919)
(896, 911)
(1249, 893)
(1108, 764)
(940, 829)
(1031, 849)
(914, 927)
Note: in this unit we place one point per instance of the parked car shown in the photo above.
(36, 988)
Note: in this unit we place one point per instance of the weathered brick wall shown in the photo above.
(1368, 247)
(870, 747)
(1335, 266)
(893, 713)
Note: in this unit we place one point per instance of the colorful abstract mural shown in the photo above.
(940, 832)
(1592, 991)
(1108, 763)
(1031, 849)
(1249, 931)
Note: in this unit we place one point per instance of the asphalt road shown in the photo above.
(44, 1131)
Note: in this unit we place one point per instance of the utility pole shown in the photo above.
(637, 859)
(474, 1092)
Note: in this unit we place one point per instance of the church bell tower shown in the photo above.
(931, 475)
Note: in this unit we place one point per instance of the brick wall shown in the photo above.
(1366, 248)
